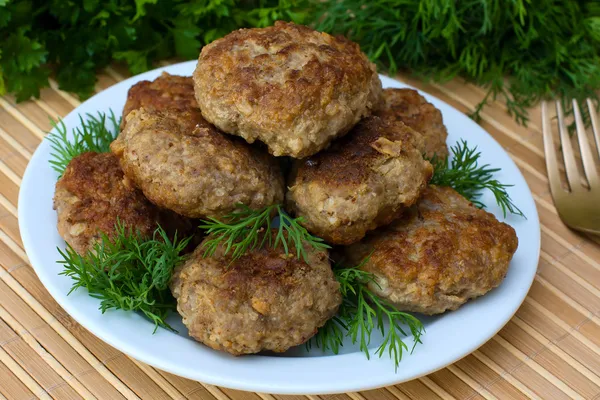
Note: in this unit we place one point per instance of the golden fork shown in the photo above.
(579, 207)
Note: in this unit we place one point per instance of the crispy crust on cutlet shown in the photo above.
(93, 193)
(165, 92)
(264, 300)
(287, 85)
(350, 160)
(361, 182)
(183, 163)
(410, 107)
(438, 255)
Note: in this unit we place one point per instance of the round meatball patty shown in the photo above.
(265, 300)
(410, 107)
(361, 182)
(442, 253)
(165, 92)
(289, 86)
(93, 193)
(184, 164)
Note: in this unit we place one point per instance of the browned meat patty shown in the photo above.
(184, 164)
(410, 107)
(264, 300)
(361, 182)
(442, 253)
(93, 193)
(287, 85)
(165, 92)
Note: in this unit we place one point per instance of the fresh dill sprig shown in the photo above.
(128, 272)
(331, 335)
(241, 230)
(91, 135)
(463, 173)
(519, 52)
(361, 312)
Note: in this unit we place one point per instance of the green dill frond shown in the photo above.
(92, 135)
(239, 231)
(330, 336)
(519, 52)
(362, 312)
(128, 272)
(245, 230)
(463, 173)
(297, 234)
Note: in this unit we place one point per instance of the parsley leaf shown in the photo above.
(139, 8)
(518, 52)
(21, 65)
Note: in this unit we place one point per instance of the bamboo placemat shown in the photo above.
(550, 349)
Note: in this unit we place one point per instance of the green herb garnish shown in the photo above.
(464, 175)
(519, 51)
(361, 312)
(128, 272)
(91, 135)
(241, 231)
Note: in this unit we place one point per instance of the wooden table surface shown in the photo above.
(549, 350)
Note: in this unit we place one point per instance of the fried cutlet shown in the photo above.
(440, 254)
(287, 85)
(93, 194)
(361, 182)
(410, 107)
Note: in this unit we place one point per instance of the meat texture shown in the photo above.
(265, 300)
(93, 193)
(439, 255)
(183, 163)
(361, 182)
(167, 92)
(410, 107)
(289, 86)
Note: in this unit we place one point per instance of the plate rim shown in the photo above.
(241, 384)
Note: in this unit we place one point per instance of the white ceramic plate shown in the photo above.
(448, 337)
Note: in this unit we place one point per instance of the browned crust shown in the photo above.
(165, 92)
(411, 108)
(438, 255)
(265, 300)
(279, 76)
(93, 193)
(179, 161)
(344, 59)
(105, 194)
(350, 160)
(267, 272)
(361, 182)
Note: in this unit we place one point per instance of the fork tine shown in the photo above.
(567, 150)
(550, 151)
(586, 151)
(595, 126)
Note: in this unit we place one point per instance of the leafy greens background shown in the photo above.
(520, 50)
